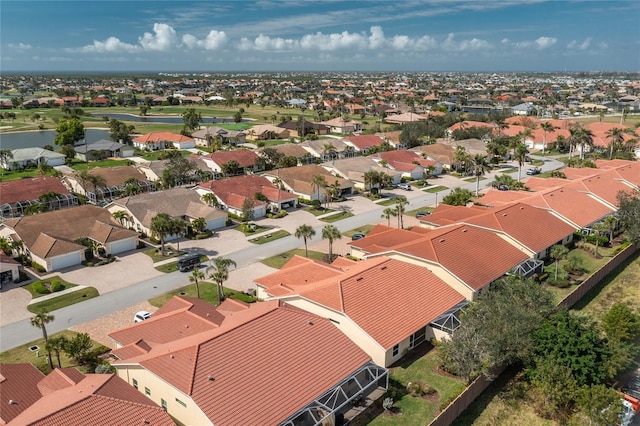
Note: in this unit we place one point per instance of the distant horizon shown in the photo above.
(260, 36)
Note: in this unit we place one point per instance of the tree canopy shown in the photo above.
(69, 132)
(629, 213)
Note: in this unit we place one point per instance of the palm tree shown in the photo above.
(195, 277)
(161, 226)
(56, 344)
(40, 321)
(479, 167)
(179, 229)
(331, 233)
(401, 202)
(120, 216)
(599, 229)
(546, 128)
(558, 252)
(388, 213)
(211, 199)
(219, 272)
(521, 155)
(198, 225)
(328, 151)
(305, 232)
(611, 223)
(616, 136)
(316, 182)
(371, 179)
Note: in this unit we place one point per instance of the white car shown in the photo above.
(141, 316)
(404, 186)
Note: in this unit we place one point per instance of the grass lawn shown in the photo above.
(435, 189)
(68, 299)
(272, 142)
(173, 266)
(387, 202)
(362, 230)
(414, 212)
(154, 155)
(417, 410)
(336, 217)
(279, 260)
(208, 292)
(81, 165)
(7, 175)
(270, 237)
(154, 253)
(35, 295)
(318, 212)
(513, 170)
(250, 230)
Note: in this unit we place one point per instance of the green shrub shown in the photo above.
(202, 236)
(602, 240)
(316, 204)
(141, 245)
(243, 297)
(56, 286)
(154, 240)
(622, 246)
(37, 267)
(40, 288)
(89, 263)
(229, 222)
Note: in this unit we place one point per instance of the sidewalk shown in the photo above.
(56, 294)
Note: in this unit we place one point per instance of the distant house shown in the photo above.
(340, 125)
(303, 128)
(33, 157)
(115, 181)
(248, 161)
(328, 149)
(362, 143)
(206, 136)
(407, 117)
(409, 163)
(266, 132)
(179, 203)
(9, 269)
(67, 396)
(292, 150)
(299, 180)
(51, 238)
(160, 140)
(441, 153)
(103, 149)
(355, 168)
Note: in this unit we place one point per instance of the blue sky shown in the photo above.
(328, 35)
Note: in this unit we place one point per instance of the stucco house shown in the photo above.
(160, 140)
(409, 163)
(349, 293)
(33, 157)
(50, 239)
(205, 137)
(299, 181)
(355, 168)
(191, 357)
(17, 197)
(177, 202)
(248, 161)
(103, 149)
(9, 269)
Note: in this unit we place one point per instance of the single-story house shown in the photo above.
(266, 132)
(409, 163)
(32, 157)
(299, 180)
(407, 117)
(9, 269)
(103, 149)
(177, 202)
(303, 128)
(362, 143)
(355, 168)
(328, 148)
(248, 161)
(160, 140)
(438, 152)
(19, 197)
(205, 137)
(340, 125)
(114, 182)
(50, 239)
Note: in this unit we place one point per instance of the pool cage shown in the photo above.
(110, 193)
(28, 207)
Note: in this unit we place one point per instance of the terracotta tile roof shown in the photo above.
(468, 123)
(96, 396)
(29, 189)
(358, 290)
(600, 129)
(246, 186)
(162, 136)
(363, 142)
(404, 160)
(226, 371)
(291, 149)
(442, 153)
(58, 379)
(244, 157)
(54, 233)
(18, 383)
(445, 214)
(604, 186)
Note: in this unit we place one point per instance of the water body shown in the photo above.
(169, 120)
(44, 137)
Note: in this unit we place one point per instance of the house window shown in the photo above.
(395, 350)
(181, 403)
(147, 391)
(135, 383)
(163, 403)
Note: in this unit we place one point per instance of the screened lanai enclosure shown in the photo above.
(28, 207)
(106, 194)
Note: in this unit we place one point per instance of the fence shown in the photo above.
(458, 405)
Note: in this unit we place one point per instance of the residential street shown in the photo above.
(245, 254)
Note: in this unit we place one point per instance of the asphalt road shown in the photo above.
(23, 332)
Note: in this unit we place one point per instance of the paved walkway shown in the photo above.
(56, 294)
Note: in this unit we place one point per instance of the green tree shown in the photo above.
(599, 229)
(558, 252)
(237, 117)
(230, 168)
(69, 132)
(521, 152)
(195, 277)
(597, 405)
(40, 321)
(78, 348)
(218, 271)
(317, 182)
(198, 225)
(161, 226)
(305, 232)
(616, 138)
(629, 213)
(388, 213)
(179, 228)
(621, 323)
(546, 127)
(401, 202)
(458, 197)
(211, 199)
(553, 389)
(247, 209)
(191, 119)
(121, 216)
(180, 169)
(479, 167)
(331, 233)
(6, 155)
(56, 345)
(119, 131)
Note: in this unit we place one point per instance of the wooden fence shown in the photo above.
(458, 405)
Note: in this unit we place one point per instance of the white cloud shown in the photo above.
(335, 41)
(110, 45)
(165, 38)
(582, 46)
(266, 43)
(214, 40)
(545, 42)
(450, 43)
(19, 46)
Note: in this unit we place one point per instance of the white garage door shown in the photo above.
(216, 223)
(123, 245)
(66, 260)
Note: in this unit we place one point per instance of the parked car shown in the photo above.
(422, 214)
(357, 236)
(404, 186)
(533, 171)
(503, 188)
(141, 316)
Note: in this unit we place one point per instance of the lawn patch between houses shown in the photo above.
(64, 300)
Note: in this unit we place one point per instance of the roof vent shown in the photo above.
(210, 378)
(504, 215)
(442, 240)
(186, 326)
(359, 278)
(310, 322)
(172, 356)
(12, 402)
(383, 268)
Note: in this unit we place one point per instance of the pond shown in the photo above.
(166, 119)
(40, 138)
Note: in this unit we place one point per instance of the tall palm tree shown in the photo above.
(179, 228)
(558, 252)
(401, 202)
(120, 216)
(480, 166)
(195, 277)
(521, 157)
(388, 213)
(328, 151)
(546, 127)
(218, 270)
(331, 233)
(611, 222)
(599, 229)
(40, 321)
(317, 182)
(161, 226)
(56, 344)
(616, 136)
(305, 232)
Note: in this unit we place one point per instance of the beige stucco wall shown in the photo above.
(189, 415)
